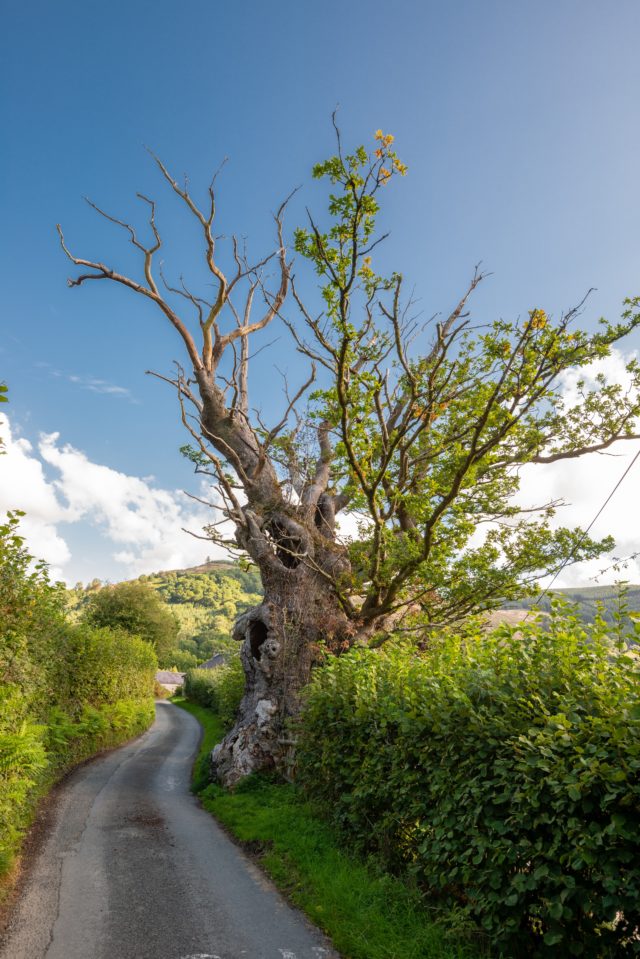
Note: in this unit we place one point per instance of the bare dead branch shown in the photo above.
(103, 272)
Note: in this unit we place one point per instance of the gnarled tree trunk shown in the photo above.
(292, 540)
(281, 639)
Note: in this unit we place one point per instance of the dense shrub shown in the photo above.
(23, 759)
(503, 771)
(70, 741)
(181, 661)
(28, 604)
(219, 689)
(99, 666)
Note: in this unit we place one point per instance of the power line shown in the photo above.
(589, 527)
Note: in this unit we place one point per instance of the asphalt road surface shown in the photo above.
(133, 868)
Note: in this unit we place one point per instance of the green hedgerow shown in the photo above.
(502, 770)
(219, 689)
(66, 691)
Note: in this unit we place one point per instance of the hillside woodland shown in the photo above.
(204, 601)
(590, 603)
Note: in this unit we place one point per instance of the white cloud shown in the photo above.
(101, 386)
(115, 509)
(92, 383)
(23, 486)
(585, 483)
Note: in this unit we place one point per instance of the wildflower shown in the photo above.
(379, 135)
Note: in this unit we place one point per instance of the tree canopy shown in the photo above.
(137, 609)
(417, 428)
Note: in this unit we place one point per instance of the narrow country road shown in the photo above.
(133, 868)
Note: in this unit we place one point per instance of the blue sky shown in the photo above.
(519, 123)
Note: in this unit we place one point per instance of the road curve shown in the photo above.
(133, 868)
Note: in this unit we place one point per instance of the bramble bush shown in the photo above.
(219, 689)
(66, 691)
(501, 770)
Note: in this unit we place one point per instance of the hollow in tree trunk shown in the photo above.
(281, 639)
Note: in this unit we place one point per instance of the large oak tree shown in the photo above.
(416, 429)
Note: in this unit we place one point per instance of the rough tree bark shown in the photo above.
(291, 537)
(281, 639)
(293, 544)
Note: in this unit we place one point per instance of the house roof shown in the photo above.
(170, 678)
(216, 660)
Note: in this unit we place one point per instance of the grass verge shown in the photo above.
(212, 733)
(367, 913)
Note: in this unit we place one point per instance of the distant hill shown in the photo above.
(205, 600)
(207, 584)
(211, 566)
(588, 599)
